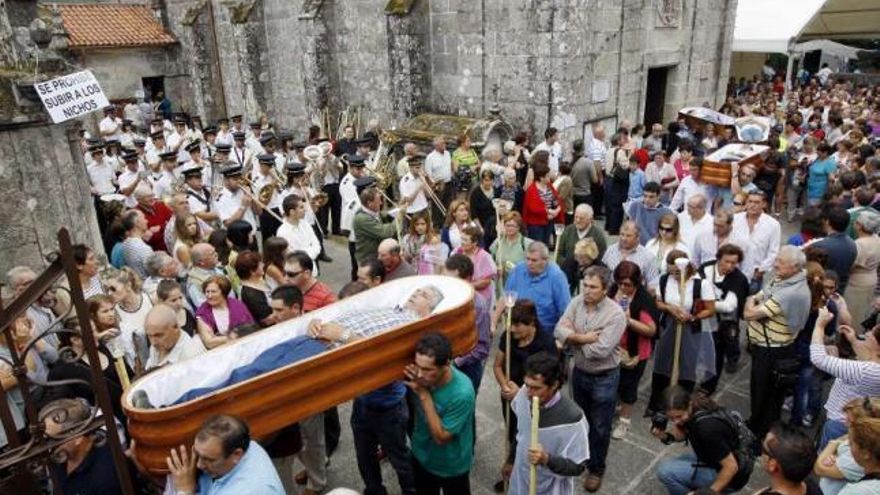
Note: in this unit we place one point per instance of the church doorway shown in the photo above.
(655, 95)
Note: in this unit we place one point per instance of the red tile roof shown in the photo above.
(112, 26)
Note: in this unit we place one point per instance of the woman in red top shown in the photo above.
(542, 206)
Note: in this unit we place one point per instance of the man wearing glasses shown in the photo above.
(788, 455)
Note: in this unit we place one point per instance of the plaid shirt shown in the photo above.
(373, 321)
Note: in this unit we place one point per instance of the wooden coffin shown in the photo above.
(716, 167)
(284, 396)
(696, 119)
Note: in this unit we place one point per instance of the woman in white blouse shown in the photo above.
(668, 239)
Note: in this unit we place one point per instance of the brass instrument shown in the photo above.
(247, 189)
(382, 166)
(433, 195)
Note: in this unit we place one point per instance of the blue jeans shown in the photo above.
(371, 428)
(597, 396)
(807, 394)
(831, 430)
(680, 477)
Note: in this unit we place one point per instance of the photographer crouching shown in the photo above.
(722, 457)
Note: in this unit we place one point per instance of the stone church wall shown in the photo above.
(291, 58)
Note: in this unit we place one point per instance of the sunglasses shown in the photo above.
(738, 203)
(666, 229)
(292, 274)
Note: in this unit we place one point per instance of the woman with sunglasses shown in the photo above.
(696, 352)
(668, 239)
(859, 377)
(635, 346)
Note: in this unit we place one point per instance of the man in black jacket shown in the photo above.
(731, 289)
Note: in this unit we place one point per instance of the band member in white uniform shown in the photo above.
(162, 177)
(129, 178)
(240, 154)
(198, 196)
(156, 146)
(261, 177)
(111, 125)
(412, 187)
(232, 202)
(252, 140)
(298, 183)
(350, 207)
(224, 134)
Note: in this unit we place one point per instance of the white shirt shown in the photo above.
(685, 191)
(707, 245)
(408, 186)
(186, 347)
(127, 178)
(349, 209)
(110, 128)
(241, 156)
(347, 189)
(438, 166)
(597, 150)
(228, 203)
(101, 177)
(300, 237)
(194, 198)
(689, 230)
(763, 240)
(653, 247)
(224, 137)
(162, 182)
(555, 151)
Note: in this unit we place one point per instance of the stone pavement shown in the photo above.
(632, 462)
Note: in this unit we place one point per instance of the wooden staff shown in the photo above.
(509, 301)
(533, 469)
(681, 264)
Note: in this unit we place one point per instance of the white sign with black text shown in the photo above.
(71, 96)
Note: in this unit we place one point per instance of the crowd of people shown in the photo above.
(213, 233)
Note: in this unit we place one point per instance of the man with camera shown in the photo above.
(722, 459)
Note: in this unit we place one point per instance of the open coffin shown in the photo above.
(286, 395)
(716, 166)
(696, 118)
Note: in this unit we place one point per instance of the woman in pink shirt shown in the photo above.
(685, 155)
(485, 270)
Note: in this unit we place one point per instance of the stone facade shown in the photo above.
(564, 60)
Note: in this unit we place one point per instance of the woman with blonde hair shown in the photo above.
(668, 239)
(836, 466)
(187, 233)
(457, 218)
(864, 439)
(133, 305)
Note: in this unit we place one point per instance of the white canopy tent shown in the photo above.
(777, 26)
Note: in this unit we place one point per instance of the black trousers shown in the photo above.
(371, 428)
(269, 224)
(766, 397)
(352, 247)
(659, 383)
(431, 484)
(332, 430)
(332, 210)
(320, 235)
(597, 198)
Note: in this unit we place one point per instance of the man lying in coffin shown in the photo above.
(347, 327)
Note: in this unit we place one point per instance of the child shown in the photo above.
(432, 254)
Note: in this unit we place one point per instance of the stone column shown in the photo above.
(315, 58)
(407, 29)
(199, 55)
(246, 46)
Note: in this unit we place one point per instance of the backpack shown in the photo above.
(746, 443)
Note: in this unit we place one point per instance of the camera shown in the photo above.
(660, 421)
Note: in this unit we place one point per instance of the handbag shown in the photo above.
(784, 372)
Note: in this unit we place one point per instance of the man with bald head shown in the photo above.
(695, 220)
(628, 248)
(204, 265)
(168, 344)
(395, 266)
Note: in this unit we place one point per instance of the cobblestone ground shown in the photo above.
(632, 461)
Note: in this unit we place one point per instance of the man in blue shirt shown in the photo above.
(223, 460)
(841, 249)
(543, 282)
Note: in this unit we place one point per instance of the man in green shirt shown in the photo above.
(369, 229)
(443, 437)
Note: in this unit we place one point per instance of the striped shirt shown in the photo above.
(374, 321)
(776, 327)
(640, 256)
(852, 379)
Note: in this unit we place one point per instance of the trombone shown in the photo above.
(248, 191)
(433, 195)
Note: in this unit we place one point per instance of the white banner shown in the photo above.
(71, 96)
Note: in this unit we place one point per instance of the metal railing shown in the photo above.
(20, 459)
